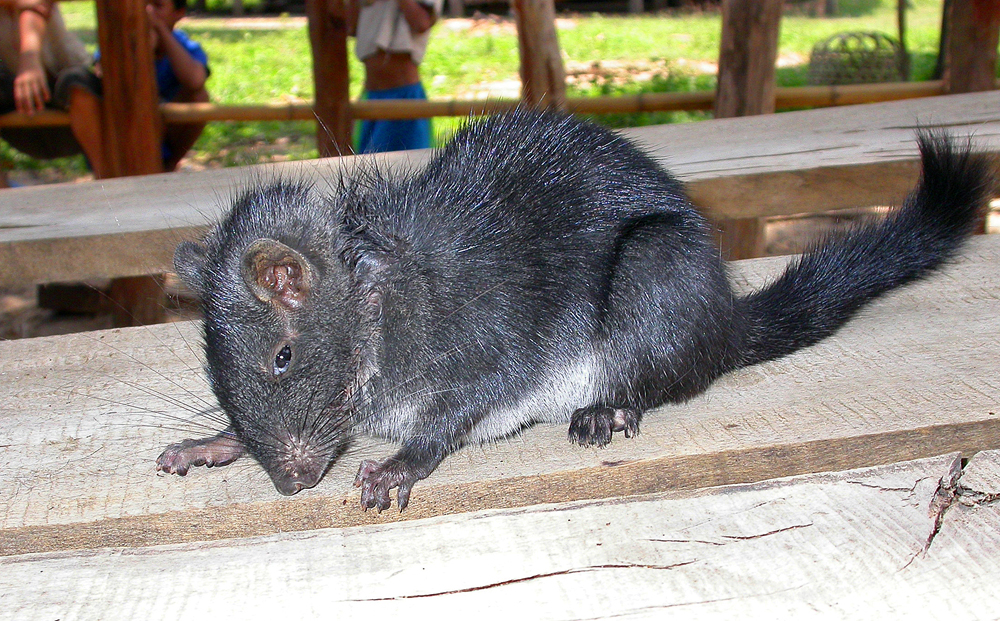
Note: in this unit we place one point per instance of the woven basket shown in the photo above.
(856, 58)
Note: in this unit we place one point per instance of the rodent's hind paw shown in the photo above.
(376, 479)
(217, 450)
(594, 425)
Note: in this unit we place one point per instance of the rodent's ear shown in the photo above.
(189, 259)
(277, 274)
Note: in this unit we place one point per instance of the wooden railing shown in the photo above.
(787, 97)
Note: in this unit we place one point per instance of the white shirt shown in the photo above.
(382, 26)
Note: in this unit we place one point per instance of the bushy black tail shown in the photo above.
(826, 286)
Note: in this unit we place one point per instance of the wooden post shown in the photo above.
(904, 54)
(741, 238)
(543, 77)
(747, 57)
(746, 86)
(971, 52)
(328, 38)
(137, 301)
(132, 126)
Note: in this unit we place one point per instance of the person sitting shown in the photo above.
(181, 73)
(36, 50)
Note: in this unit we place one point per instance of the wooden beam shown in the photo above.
(543, 77)
(741, 238)
(131, 122)
(891, 542)
(137, 301)
(132, 127)
(328, 38)
(746, 86)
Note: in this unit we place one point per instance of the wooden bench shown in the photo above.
(795, 162)
(531, 525)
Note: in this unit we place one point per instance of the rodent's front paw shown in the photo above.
(214, 451)
(376, 479)
(175, 459)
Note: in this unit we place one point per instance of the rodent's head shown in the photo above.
(288, 316)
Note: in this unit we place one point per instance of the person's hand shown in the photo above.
(158, 29)
(31, 88)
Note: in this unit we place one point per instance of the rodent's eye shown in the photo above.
(282, 360)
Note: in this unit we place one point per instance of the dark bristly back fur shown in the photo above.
(538, 269)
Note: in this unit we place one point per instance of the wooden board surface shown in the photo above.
(911, 540)
(736, 168)
(83, 417)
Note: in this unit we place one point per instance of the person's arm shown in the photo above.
(419, 17)
(190, 72)
(31, 85)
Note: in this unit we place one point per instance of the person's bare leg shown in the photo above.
(85, 121)
(180, 137)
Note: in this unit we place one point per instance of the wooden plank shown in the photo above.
(761, 166)
(132, 126)
(866, 544)
(83, 418)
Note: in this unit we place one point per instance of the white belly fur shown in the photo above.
(564, 390)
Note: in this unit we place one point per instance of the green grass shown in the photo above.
(272, 64)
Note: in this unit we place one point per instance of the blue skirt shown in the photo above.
(378, 136)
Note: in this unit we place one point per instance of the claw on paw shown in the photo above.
(376, 479)
(594, 425)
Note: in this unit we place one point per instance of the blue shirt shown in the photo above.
(166, 80)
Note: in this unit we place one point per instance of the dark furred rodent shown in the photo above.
(538, 269)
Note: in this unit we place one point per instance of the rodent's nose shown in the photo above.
(293, 482)
(288, 488)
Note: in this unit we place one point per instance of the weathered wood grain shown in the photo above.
(866, 544)
(780, 164)
(82, 418)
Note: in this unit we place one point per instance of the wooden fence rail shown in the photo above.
(787, 97)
